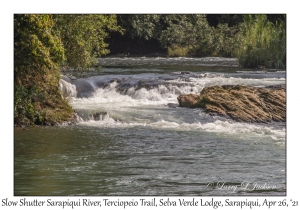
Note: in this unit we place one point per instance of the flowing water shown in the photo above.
(131, 137)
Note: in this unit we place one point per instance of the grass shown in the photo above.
(262, 43)
(176, 51)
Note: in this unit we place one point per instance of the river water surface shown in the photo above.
(131, 137)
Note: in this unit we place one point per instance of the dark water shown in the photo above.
(144, 144)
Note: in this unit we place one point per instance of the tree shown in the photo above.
(43, 44)
(83, 37)
(229, 19)
(141, 26)
(190, 33)
(38, 53)
(36, 49)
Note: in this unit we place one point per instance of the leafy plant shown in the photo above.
(189, 32)
(42, 45)
(38, 52)
(83, 38)
(262, 43)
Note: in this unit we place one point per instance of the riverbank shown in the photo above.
(165, 61)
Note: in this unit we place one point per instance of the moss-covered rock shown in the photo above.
(241, 103)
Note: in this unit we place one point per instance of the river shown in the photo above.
(132, 139)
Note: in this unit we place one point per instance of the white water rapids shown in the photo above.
(133, 139)
(151, 100)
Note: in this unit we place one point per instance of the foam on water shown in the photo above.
(212, 80)
(67, 89)
(129, 125)
(226, 127)
(110, 97)
(129, 105)
(160, 94)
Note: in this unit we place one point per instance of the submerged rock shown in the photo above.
(241, 103)
(99, 116)
(172, 105)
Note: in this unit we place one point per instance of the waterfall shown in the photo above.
(67, 89)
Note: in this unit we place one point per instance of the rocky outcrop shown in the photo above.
(241, 103)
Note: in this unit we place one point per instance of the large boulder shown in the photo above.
(242, 103)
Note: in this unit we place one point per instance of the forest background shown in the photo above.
(46, 45)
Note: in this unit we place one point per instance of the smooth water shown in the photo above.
(133, 139)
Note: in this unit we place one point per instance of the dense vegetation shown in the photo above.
(257, 40)
(83, 38)
(262, 42)
(45, 45)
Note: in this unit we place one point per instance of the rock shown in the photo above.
(241, 103)
(99, 116)
(190, 100)
(84, 88)
(172, 105)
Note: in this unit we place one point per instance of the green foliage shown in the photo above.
(175, 51)
(83, 38)
(220, 19)
(42, 45)
(37, 55)
(254, 39)
(191, 35)
(190, 32)
(262, 43)
(224, 40)
(36, 49)
(172, 31)
(23, 109)
(141, 26)
(182, 34)
(45, 43)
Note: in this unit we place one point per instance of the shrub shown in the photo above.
(262, 42)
